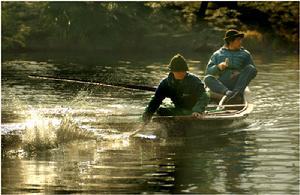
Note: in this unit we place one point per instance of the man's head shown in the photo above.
(178, 67)
(233, 39)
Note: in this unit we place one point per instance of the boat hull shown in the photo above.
(232, 116)
(205, 124)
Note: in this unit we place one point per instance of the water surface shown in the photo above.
(262, 157)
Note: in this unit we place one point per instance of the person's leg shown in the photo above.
(241, 82)
(244, 78)
(214, 84)
(223, 84)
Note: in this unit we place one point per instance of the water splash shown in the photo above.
(42, 133)
(44, 127)
(69, 131)
(39, 133)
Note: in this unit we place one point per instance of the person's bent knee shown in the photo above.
(208, 79)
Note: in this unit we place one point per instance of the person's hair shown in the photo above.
(229, 40)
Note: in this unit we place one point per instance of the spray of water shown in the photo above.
(69, 131)
(42, 133)
(46, 128)
(39, 133)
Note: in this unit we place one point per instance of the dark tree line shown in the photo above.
(134, 25)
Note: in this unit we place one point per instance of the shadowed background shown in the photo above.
(59, 137)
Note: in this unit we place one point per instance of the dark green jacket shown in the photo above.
(187, 94)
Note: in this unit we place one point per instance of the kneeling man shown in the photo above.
(184, 89)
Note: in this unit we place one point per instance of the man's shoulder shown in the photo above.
(164, 81)
(219, 51)
(245, 51)
(163, 85)
(194, 77)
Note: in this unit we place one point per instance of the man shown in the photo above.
(231, 68)
(184, 89)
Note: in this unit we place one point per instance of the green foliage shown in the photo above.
(284, 17)
(129, 25)
(175, 14)
(223, 17)
(20, 21)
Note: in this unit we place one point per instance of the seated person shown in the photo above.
(231, 68)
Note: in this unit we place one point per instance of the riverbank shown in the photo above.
(142, 27)
(206, 41)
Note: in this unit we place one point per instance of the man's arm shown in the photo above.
(202, 100)
(201, 103)
(249, 59)
(155, 102)
(213, 67)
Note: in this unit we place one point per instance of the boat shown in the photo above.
(217, 116)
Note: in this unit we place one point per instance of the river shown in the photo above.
(261, 158)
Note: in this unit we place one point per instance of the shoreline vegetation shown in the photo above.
(155, 27)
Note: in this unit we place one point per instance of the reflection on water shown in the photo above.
(260, 158)
(140, 166)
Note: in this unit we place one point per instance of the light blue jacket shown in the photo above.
(238, 60)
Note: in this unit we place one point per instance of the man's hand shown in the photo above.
(222, 65)
(198, 114)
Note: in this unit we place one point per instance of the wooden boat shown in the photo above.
(226, 116)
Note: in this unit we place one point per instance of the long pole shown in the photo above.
(115, 85)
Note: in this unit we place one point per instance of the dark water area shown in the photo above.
(260, 158)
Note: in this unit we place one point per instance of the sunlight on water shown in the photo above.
(89, 131)
(46, 128)
(114, 142)
(39, 133)
(69, 131)
(45, 133)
